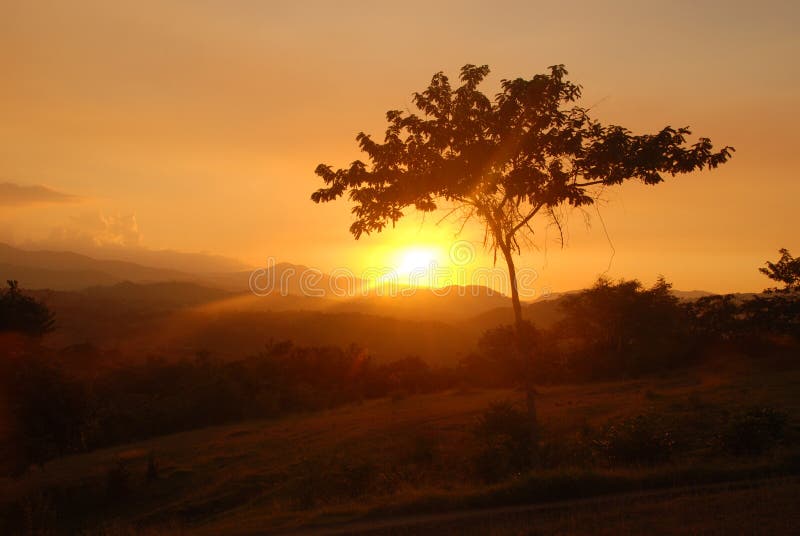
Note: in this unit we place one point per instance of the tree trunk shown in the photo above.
(523, 349)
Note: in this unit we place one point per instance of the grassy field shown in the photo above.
(402, 456)
(765, 507)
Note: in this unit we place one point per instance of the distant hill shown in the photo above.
(32, 277)
(167, 259)
(165, 294)
(689, 295)
(181, 318)
(236, 334)
(65, 270)
(141, 310)
(285, 279)
(133, 321)
(448, 304)
(542, 313)
(177, 318)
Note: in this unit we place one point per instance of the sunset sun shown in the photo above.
(417, 260)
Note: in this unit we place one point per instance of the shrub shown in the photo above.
(423, 451)
(152, 473)
(567, 450)
(330, 481)
(753, 431)
(47, 413)
(642, 439)
(23, 314)
(505, 446)
(118, 481)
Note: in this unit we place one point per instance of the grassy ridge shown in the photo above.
(391, 456)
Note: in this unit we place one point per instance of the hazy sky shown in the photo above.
(197, 125)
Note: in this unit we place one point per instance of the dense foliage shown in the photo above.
(56, 409)
(23, 314)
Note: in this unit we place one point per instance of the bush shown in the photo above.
(505, 446)
(48, 411)
(152, 473)
(568, 450)
(716, 317)
(118, 481)
(317, 482)
(753, 431)
(22, 314)
(423, 451)
(642, 439)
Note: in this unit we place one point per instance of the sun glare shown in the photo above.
(417, 260)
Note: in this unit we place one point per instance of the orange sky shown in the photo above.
(196, 125)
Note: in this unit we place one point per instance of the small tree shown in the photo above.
(503, 161)
(617, 329)
(23, 314)
(778, 309)
(786, 271)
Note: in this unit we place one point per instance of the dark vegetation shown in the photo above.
(56, 410)
(55, 403)
(621, 329)
(22, 314)
(614, 330)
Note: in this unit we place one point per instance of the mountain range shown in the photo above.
(143, 310)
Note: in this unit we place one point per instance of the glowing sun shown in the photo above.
(416, 260)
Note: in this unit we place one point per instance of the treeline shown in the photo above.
(53, 410)
(622, 329)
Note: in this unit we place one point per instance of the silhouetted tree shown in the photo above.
(624, 329)
(778, 309)
(716, 317)
(786, 271)
(21, 313)
(498, 362)
(503, 161)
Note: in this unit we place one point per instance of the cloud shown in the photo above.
(117, 237)
(91, 230)
(17, 195)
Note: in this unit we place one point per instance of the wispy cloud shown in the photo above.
(18, 195)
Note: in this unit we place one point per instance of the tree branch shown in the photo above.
(525, 220)
(592, 183)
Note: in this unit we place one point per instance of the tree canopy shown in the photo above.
(786, 271)
(503, 159)
(23, 314)
(778, 309)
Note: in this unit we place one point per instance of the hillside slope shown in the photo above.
(262, 475)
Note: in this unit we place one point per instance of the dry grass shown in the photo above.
(768, 509)
(245, 476)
